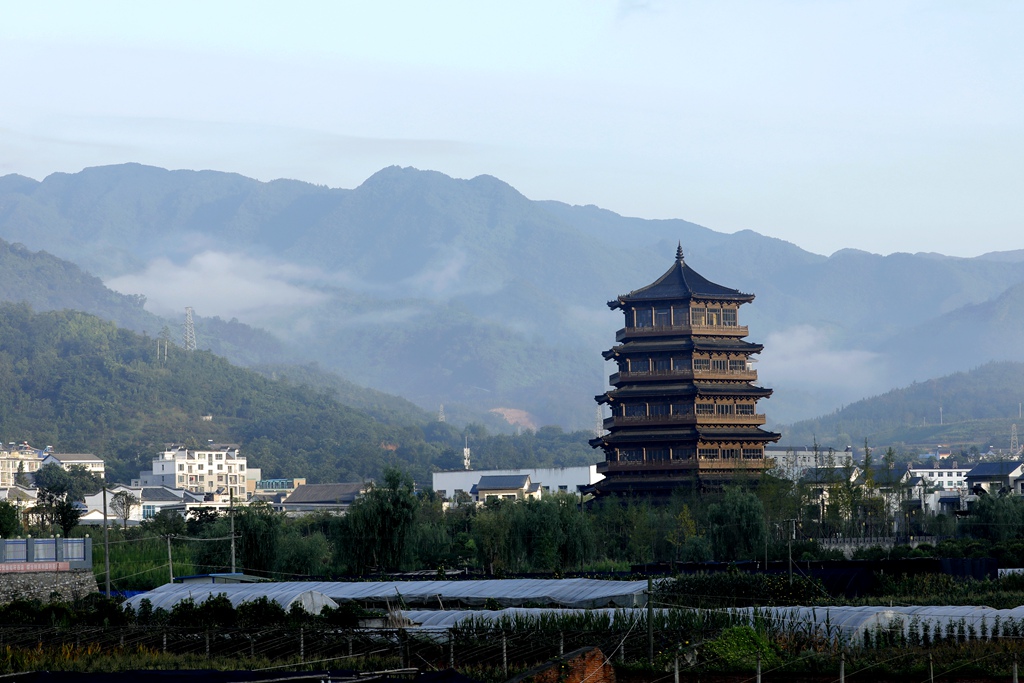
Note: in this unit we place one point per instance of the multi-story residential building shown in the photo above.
(18, 459)
(218, 471)
(87, 461)
(945, 475)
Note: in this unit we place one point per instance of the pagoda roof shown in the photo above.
(681, 282)
(724, 389)
(692, 344)
(673, 433)
(686, 389)
(734, 433)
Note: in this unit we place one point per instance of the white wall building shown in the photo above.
(151, 501)
(88, 461)
(217, 471)
(551, 479)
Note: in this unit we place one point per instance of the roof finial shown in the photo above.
(679, 252)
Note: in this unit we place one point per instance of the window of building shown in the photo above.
(680, 315)
(714, 316)
(701, 364)
(707, 453)
(202, 477)
(563, 487)
(657, 454)
(705, 408)
(663, 316)
(698, 316)
(752, 453)
(657, 409)
(729, 317)
(148, 511)
(181, 467)
(681, 364)
(643, 317)
(662, 364)
(639, 364)
(744, 409)
(631, 455)
(682, 409)
(635, 410)
(683, 453)
(737, 365)
(719, 365)
(730, 453)
(724, 409)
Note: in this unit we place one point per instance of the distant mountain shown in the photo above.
(978, 407)
(467, 293)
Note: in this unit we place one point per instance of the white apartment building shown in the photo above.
(450, 484)
(218, 471)
(945, 475)
(88, 461)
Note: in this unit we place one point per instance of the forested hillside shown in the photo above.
(80, 384)
(976, 408)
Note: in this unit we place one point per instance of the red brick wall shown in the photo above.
(586, 665)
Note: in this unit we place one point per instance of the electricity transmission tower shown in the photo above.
(190, 331)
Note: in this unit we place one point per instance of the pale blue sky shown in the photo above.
(885, 126)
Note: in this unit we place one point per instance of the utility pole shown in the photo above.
(170, 561)
(106, 541)
(231, 514)
(792, 533)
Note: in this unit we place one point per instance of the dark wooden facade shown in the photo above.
(683, 403)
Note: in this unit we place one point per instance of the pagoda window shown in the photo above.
(744, 409)
(707, 453)
(680, 315)
(657, 454)
(658, 409)
(662, 364)
(681, 364)
(737, 365)
(700, 364)
(639, 364)
(643, 317)
(682, 409)
(635, 410)
(714, 316)
(730, 454)
(631, 455)
(724, 409)
(719, 365)
(698, 316)
(729, 317)
(662, 317)
(683, 453)
(705, 408)
(753, 453)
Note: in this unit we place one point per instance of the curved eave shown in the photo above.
(737, 434)
(672, 435)
(687, 389)
(687, 344)
(745, 390)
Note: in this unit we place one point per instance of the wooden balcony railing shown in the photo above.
(676, 330)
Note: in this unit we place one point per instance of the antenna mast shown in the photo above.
(440, 413)
(190, 331)
(1014, 446)
(465, 455)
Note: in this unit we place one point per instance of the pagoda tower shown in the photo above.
(683, 406)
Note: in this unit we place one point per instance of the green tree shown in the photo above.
(10, 520)
(380, 520)
(736, 525)
(122, 504)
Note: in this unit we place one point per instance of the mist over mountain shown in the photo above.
(467, 293)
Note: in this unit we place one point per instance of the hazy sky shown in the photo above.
(885, 126)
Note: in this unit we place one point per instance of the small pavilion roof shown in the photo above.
(681, 282)
(671, 345)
